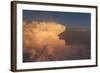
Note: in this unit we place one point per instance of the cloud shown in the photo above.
(42, 41)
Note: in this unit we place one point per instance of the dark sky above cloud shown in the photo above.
(71, 19)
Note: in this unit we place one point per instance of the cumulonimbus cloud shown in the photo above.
(42, 41)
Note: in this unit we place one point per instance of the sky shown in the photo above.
(47, 41)
(71, 19)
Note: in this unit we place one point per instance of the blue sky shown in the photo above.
(71, 19)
